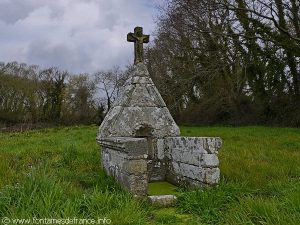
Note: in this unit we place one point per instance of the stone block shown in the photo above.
(211, 175)
(141, 97)
(187, 170)
(131, 146)
(163, 200)
(193, 145)
(154, 92)
(136, 166)
(160, 148)
(209, 160)
(137, 184)
(140, 80)
(113, 161)
(213, 145)
(124, 96)
(136, 146)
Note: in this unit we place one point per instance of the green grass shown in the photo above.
(56, 173)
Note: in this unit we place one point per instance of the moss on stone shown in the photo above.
(161, 188)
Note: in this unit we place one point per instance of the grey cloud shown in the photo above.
(60, 55)
(111, 20)
(76, 35)
(12, 11)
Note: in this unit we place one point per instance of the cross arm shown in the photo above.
(131, 37)
(146, 38)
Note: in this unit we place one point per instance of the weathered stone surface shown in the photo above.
(113, 161)
(136, 167)
(192, 159)
(211, 175)
(187, 170)
(141, 142)
(209, 160)
(132, 146)
(192, 150)
(163, 200)
(204, 175)
(126, 160)
(180, 159)
(131, 118)
(139, 104)
(139, 94)
(141, 98)
(214, 144)
(160, 149)
(194, 145)
(137, 184)
(140, 79)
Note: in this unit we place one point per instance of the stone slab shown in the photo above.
(163, 200)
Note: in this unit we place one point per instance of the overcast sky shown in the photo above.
(76, 35)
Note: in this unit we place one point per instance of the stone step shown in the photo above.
(163, 200)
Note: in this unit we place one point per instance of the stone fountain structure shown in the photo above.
(141, 143)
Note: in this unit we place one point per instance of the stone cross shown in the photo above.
(138, 38)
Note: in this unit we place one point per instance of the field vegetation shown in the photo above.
(56, 173)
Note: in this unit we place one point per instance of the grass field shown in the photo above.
(56, 173)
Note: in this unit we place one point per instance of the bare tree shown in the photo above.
(109, 83)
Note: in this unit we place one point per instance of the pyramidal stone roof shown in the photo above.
(139, 105)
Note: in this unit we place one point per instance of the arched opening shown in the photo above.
(143, 131)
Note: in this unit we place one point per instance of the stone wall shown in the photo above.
(180, 160)
(125, 159)
(192, 160)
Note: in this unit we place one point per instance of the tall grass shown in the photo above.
(56, 173)
(260, 182)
